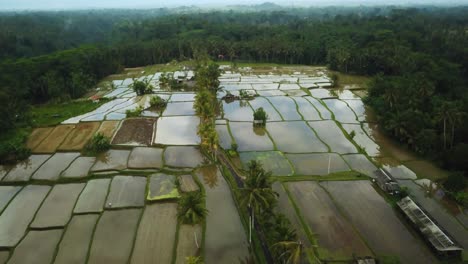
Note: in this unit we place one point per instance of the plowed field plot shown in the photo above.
(79, 136)
(223, 220)
(54, 139)
(250, 138)
(188, 243)
(295, 137)
(317, 163)
(37, 136)
(108, 128)
(377, 222)
(135, 131)
(336, 237)
(331, 134)
(177, 130)
(156, 234)
(273, 161)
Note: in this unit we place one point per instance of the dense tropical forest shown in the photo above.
(418, 58)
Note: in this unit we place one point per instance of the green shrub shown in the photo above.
(142, 87)
(455, 182)
(462, 198)
(260, 115)
(191, 208)
(158, 102)
(234, 146)
(335, 79)
(98, 143)
(12, 147)
(352, 134)
(134, 113)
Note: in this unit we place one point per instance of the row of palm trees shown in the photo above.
(259, 198)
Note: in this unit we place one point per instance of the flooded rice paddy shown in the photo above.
(71, 205)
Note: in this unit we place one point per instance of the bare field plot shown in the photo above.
(377, 221)
(135, 132)
(156, 234)
(37, 135)
(109, 246)
(54, 139)
(108, 128)
(79, 136)
(336, 237)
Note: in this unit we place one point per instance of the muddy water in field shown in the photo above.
(273, 161)
(375, 220)
(295, 137)
(258, 102)
(222, 221)
(362, 139)
(250, 138)
(336, 237)
(286, 107)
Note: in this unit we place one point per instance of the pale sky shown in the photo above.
(86, 4)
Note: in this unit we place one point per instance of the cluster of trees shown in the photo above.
(420, 57)
(206, 105)
(258, 197)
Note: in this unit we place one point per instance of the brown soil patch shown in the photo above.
(136, 131)
(54, 139)
(37, 136)
(79, 136)
(108, 128)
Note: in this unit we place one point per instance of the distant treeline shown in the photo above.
(419, 57)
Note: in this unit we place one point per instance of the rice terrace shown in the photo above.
(225, 156)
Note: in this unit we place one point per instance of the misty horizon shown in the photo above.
(8, 5)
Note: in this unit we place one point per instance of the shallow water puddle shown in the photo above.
(341, 110)
(295, 137)
(250, 138)
(273, 161)
(286, 107)
(331, 134)
(177, 130)
(317, 163)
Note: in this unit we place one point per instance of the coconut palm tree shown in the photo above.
(257, 194)
(192, 208)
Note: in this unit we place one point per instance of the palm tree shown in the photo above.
(292, 251)
(455, 117)
(192, 208)
(442, 114)
(257, 193)
(391, 96)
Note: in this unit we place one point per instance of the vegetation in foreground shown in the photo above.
(98, 144)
